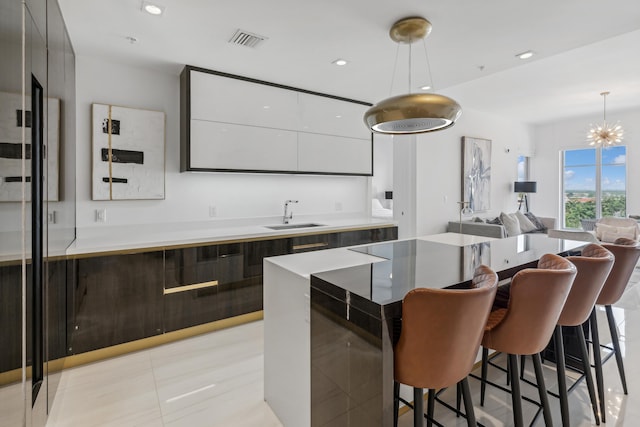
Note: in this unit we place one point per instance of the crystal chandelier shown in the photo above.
(605, 134)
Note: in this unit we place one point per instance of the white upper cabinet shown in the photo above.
(228, 100)
(334, 154)
(328, 116)
(230, 123)
(248, 148)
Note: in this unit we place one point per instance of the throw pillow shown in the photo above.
(477, 219)
(609, 233)
(526, 225)
(495, 221)
(511, 224)
(536, 221)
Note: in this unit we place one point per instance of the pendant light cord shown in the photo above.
(424, 44)
(395, 66)
(409, 88)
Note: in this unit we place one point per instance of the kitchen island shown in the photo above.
(332, 318)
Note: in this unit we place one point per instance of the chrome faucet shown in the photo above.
(288, 216)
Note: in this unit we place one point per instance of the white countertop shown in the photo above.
(133, 237)
(456, 239)
(307, 263)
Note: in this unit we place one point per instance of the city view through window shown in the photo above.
(594, 184)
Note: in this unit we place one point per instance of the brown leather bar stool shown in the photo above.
(536, 299)
(593, 266)
(439, 340)
(626, 253)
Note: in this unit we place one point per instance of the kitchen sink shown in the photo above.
(292, 226)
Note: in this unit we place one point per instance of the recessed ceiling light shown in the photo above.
(425, 87)
(338, 116)
(266, 107)
(525, 55)
(152, 8)
(340, 62)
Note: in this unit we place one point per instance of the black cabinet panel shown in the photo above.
(256, 251)
(11, 317)
(121, 298)
(56, 294)
(225, 291)
(118, 299)
(361, 237)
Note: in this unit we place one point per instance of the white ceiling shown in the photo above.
(583, 47)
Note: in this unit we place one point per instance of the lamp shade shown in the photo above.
(413, 113)
(525, 186)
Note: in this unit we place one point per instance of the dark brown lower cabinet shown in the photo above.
(117, 299)
(10, 317)
(121, 298)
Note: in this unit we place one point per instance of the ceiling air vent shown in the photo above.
(245, 38)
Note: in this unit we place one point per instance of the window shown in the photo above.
(593, 184)
(523, 168)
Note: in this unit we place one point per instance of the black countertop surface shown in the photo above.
(378, 288)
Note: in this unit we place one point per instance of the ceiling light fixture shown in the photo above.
(340, 62)
(152, 8)
(525, 55)
(418, 112)
(605, 134)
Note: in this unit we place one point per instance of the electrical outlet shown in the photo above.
(101, 215)
(338, 206)
(213, 211)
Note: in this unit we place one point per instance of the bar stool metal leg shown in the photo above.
(418, 407)
(542, 389)
(597, 361)
(587, 373)
(468, 403)
(396, 402)
(483, 374)
(616, 345)
(562, 379)
(430, 407)
(516, 397)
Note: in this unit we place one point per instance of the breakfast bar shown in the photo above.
(332, 360)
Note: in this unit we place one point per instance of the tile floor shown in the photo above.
(216, 380)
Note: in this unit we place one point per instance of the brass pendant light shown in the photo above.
(417, 112)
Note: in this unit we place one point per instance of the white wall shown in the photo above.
(439, 168)
(551, 138)
(382, 179)
(189, 195)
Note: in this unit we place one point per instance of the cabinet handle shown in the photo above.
(190, 287)
(310, 245)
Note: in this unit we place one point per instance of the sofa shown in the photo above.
(604, 230)
(497, 231)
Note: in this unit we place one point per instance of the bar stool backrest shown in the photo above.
(626, 258)
(593, 269)
(537, 296)
(441, 332)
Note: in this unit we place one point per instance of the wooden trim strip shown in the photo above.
(57, 365)
(193, 287)
(310, 245)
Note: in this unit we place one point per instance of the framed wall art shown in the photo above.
(12, 121)
(128, 156)
(476, 173)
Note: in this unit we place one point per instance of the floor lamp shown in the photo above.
(523, 188)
